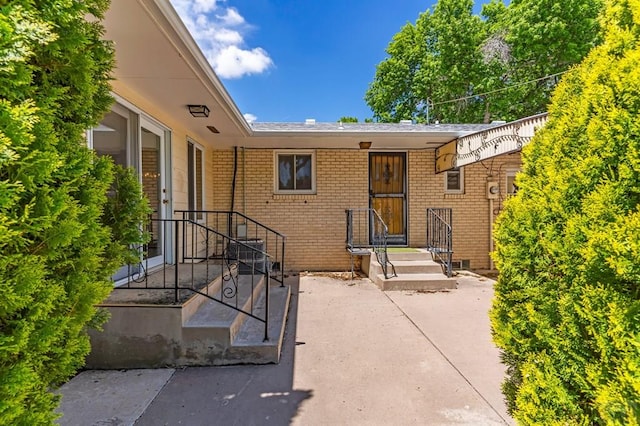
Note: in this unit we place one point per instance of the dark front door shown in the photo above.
(387, 192)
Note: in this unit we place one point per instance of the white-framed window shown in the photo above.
(295, 172)
(117, 136)
(195, 171)
(511, 186)
(454, 181)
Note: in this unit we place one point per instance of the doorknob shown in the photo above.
(165, 201)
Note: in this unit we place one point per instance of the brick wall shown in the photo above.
(471, 217)
(315, 224)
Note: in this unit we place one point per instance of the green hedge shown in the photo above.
(56, 255)
(567, 312)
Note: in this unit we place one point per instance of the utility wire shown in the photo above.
(499, 90)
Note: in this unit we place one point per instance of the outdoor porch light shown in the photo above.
(365, 144)
(199, 110)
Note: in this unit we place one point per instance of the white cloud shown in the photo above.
(233, 62)
(227, 36)
(219, 31)
(204, 6)
(231, 17)
(250, 117)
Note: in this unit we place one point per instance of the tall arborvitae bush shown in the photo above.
(56, 255)
(567, 310)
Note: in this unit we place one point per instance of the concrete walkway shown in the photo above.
(353, 355)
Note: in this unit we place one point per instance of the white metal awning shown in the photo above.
(469, 149)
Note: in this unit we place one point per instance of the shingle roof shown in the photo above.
(298, 127)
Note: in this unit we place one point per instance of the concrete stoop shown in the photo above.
(199, 332)
(218, 335)
(416, 271)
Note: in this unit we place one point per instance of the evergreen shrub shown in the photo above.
(56, 253)
(566, 313)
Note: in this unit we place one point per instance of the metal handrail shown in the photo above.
(440, 237)
(228, 223)
(182, 269)
(371, 232)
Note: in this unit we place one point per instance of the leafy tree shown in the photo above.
(437, 57)
(346, 119)
(455, 67)
(56, 255)
(545, 38)
(567, 306)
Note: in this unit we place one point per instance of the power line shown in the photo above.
(500, 90)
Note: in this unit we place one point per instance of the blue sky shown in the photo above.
(289, 60)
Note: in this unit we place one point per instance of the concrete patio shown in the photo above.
(352, 355)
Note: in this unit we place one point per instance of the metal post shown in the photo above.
(176, 262)
(282, 265)
(266, 309)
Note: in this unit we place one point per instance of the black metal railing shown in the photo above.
(440, 237)
(366, 230)
(195, 259)
(242, 228)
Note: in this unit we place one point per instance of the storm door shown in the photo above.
(154, 186)
(388, 193)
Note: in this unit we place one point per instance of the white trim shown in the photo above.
(276, 174)
(203, 191)
(510, 173)
(446, 181)
(165, 172)
(122, 102)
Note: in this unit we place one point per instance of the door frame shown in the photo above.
(398, 239)
(164, 211)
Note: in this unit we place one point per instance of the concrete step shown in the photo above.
(420, 254)
(249, 347)
(411, 267)
(191, 306)
(214, 326)
(219, 335)
(416, 282)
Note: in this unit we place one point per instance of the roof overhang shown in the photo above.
(160, 69)
(349, 135)
(158, 61)
(499, 140)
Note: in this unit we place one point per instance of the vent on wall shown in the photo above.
(461, 264)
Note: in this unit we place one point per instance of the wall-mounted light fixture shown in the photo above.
(199, 110)
(365, 144)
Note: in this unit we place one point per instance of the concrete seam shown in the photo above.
(446, 358)
(144, 409)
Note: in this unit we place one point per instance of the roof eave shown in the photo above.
(178, 26)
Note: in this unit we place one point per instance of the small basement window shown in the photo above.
(454, 181)
(512, 188)
(295, 172)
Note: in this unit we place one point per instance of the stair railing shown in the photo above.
(366, 230)
(193, 256)
(242, 228)
(440, 237)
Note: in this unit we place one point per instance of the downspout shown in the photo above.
(491, 265)
(233, 187)
(244, 181)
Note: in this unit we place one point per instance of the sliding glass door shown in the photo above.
(133, 140)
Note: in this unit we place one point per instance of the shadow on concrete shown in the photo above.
(237, 395)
